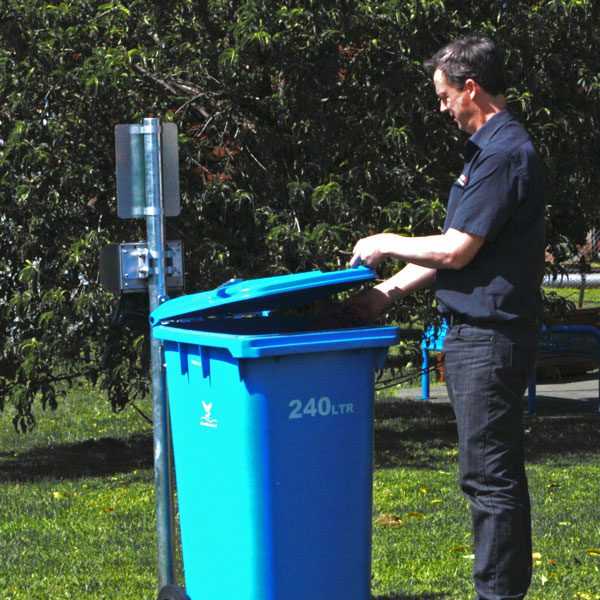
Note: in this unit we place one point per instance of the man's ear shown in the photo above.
(472, 87)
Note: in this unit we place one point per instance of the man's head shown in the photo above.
(471, 57)
(469, 80)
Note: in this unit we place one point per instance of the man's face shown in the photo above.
(455, 101)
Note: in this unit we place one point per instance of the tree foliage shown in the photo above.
(303, 126)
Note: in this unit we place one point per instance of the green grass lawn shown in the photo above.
(77, 509)
(422, 541)
(591, 297)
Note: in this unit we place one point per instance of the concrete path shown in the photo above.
(572, 395)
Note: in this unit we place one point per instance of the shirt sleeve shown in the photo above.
(490, 196)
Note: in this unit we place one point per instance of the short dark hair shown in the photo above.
(471, 57)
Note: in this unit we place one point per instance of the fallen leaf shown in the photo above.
(458, 549)
(551, 562)
(536, 555)
(593, 551)
(389, 520)
(58, 495)
(469, 556)
(423, 490)
(414, 515)
(435, 501)
(109, 509)
(544, 580)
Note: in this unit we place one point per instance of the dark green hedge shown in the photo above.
(303, 126)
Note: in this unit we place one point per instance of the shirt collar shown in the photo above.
(485, 133)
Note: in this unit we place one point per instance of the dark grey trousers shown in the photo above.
(488, 367)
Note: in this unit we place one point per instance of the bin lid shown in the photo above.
(238, 296)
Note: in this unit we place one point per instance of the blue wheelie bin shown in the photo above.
(272, 426)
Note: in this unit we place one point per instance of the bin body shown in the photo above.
(272, 436)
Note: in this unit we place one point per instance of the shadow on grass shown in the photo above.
(413, 433)
(423, 435)
(408, 433)
(106, 456)
(434, 596)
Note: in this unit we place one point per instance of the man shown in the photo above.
(487, 266)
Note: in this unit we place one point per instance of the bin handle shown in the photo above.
(222, 289)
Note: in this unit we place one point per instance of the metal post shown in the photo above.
(153, 211)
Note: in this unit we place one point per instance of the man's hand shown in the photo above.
(370, 251)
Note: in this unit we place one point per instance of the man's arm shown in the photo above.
(451, 250)
(406, 281)
(367, 305)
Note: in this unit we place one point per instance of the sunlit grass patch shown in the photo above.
(422, 546)
(77, 509)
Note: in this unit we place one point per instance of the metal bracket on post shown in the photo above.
(125, 268)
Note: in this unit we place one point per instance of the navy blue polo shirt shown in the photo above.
(499, 196)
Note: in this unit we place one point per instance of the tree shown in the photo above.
(303, 126)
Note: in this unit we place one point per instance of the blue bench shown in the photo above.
(550, 344)
(433, 341)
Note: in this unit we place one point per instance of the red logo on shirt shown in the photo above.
(463, 180)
